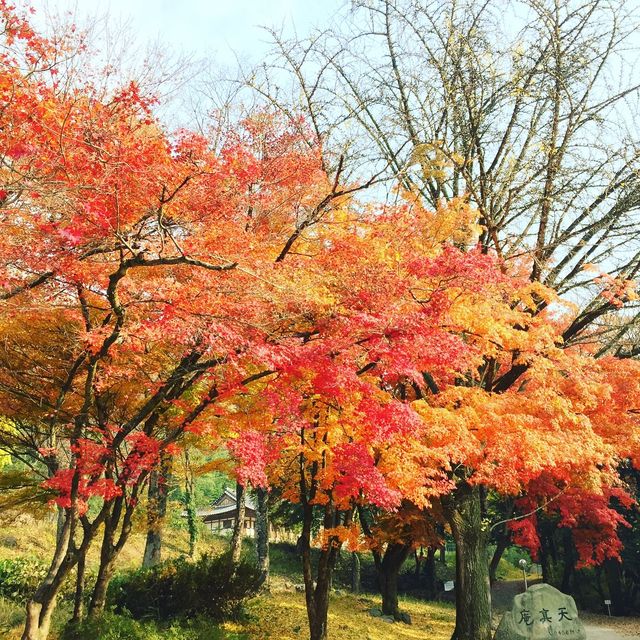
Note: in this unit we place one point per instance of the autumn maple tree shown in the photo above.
(352, 354)
(136, 273)
(398, 392)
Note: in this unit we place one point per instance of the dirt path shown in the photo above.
(606, 633)
(605, 628)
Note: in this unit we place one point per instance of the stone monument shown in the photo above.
(541, 613)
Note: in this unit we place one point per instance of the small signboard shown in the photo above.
(448, 586)
(607, 601)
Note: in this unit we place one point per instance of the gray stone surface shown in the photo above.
(541, 613)
(405, 617)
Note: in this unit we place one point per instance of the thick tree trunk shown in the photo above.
(430, 573)
(547, 554)
(238, 529)
(392, 561)
(568, 552)
(158, 493)
(38, 619)
(619, 600)
(262, 534)
(463, 510)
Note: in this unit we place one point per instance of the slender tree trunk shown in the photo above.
(158, 493)
(59, 522)
(317, 596)
(99, 595)
(504, 538)
(430, 573)
(190, 506)
(355, 573)
(153, 544)
(443, 549)
(418, 558)
(392, 561)
(120, 516)
(78, 599)
(238, 529)
(319, 628)
(473, 592)
(105, 570)
(262, 534)
(40, 607)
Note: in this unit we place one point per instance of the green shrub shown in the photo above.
(180, 588)
(108, 626)
(112, 626)
(19, 577)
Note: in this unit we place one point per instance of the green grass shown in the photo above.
(276, 615)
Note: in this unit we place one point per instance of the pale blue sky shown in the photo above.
(205, 27)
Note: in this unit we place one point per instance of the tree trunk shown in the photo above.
(569, 562)
(99, 595)
(156, 511)
(547, 554)
(190, 506)
(317, 595)
(473, 593)
(38, 619)
(40, 607)
(443, 549)
(120, 515)
(107, 558)
(78, 600)
(59, 522)
(355, 573)
(262, 534)
(238, 528)
(430, 574)
(392, 561)
(504, 537)
(319, 627)
(613, 573)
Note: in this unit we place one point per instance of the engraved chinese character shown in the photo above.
(525, 616)
(562, 611)
(544, 616)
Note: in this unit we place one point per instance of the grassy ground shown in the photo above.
(277, 615)
(281, 615)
